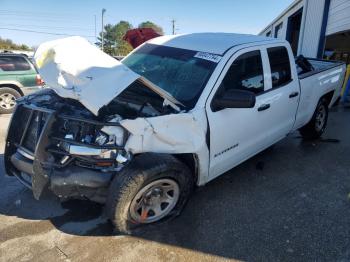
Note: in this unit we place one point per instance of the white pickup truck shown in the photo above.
(177, 112)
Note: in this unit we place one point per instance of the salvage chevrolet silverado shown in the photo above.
(177, 112)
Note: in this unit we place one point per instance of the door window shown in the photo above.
(245, 73)
(280, 66)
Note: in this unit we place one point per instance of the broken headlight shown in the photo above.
(101, 138)
(115, 135)
(106, 139)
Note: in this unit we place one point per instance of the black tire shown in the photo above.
(314, 129)
(143, 170)
(7, 91)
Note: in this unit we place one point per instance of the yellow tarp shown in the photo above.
(347, 76)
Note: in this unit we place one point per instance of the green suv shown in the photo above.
(18, 77)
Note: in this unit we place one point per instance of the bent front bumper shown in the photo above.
(70, 182)
(27, 157)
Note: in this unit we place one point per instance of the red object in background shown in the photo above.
(39, 81)
(136, 37)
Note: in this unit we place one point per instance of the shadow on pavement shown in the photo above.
(287, 203)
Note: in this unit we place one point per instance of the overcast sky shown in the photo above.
(77, 17)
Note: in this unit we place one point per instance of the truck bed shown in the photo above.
(318, 65)
(317, 78)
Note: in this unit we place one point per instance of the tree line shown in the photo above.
(8, 44)
(113, 37)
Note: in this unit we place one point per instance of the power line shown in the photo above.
(41, 16)
(48, 22)
(44, 14)
(49, 27)
(45, 20)
(36, 12)
(6, 16)
(41, 32)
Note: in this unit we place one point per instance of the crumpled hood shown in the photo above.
(76, 69)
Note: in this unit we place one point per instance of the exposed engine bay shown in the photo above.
(76, 138)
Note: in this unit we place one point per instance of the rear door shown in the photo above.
(284, 93)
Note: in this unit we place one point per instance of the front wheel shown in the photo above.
(317, 125)
(151, 188)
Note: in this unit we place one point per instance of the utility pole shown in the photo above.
(95, 31)
(102, 42)
(173, 23)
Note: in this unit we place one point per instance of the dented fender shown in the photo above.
(171, 134)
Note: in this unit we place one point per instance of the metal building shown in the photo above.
(315, 28)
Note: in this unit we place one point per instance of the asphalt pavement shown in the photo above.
(289, 203)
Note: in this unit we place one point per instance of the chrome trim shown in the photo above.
(25, 154)
(84, 151)
(88, 151)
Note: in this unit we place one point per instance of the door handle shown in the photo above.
(294, 94)
(264, 107)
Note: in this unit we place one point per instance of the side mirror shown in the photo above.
(233, 98)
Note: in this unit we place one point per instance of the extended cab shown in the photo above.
(175, 113)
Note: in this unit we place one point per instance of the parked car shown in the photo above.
(178, 112)
(18, 77)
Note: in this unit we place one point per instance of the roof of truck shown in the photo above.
(216, 43)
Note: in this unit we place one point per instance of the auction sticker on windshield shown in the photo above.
(208, 56)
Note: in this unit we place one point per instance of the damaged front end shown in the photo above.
(55, 144)
(74, 137)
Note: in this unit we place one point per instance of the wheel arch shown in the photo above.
(13, 86)
(192, 162)
(328, 97)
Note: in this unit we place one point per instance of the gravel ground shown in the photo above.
(291, 203)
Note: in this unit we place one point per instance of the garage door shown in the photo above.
(339, 16)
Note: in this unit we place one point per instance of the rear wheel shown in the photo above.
(317, 125)
(151, 188)
(8, 98)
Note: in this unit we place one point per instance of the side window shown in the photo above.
(280, 66)
(14, 63)
(245, 73)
